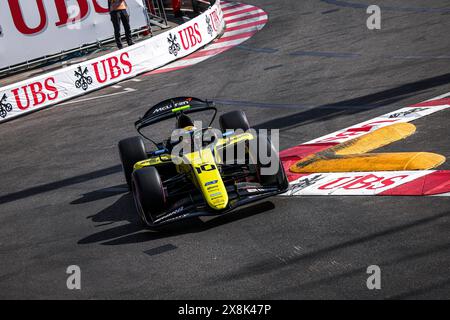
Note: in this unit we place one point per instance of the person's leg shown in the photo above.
(126, 25)
(176, 6)
(115, 18)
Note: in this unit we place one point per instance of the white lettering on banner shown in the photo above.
(352, 183)
(57, 86)
(53, 26)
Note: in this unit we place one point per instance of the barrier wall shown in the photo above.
(54, 87)
(49, 27)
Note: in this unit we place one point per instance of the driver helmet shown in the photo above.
(184, 122)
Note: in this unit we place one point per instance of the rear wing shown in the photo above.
(170, 108)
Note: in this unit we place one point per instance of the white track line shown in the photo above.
(126, 90)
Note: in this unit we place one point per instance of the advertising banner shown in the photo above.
(54, 87)
(31, 29)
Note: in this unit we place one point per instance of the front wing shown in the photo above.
(186, 208)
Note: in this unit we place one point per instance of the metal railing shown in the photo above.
(156, 16)
(156, 13)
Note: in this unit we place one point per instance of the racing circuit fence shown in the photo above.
(52, 88)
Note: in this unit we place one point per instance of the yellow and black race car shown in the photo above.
(199, 171)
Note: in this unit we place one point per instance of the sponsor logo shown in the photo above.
(217, 194)
(5, 107)
(161, 109)
(61, 9)
(366, 182)
(112, 68)
(209, 28)
(190, 36)
(175, 105)
(215, 20)
(210, 183)
(174, 212)
(174, 46)
(305, 183)
(35, 93)
(404, 114)
(255, 190)
(83, 79)
(183, 103)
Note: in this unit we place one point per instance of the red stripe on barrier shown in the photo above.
(250, 16)
(164, 70)
(437, 182)
(247, 25)
(226, 15)
(234, 6)
(210, 52)
(237, 36)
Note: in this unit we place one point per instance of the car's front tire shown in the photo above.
(131, 150)
(272, 173)
(148, 192)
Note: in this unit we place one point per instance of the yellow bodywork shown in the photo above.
(203, 168)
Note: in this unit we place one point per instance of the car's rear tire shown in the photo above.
(131, 150)
(234, 120)
(148, 193)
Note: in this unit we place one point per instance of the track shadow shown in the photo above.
(267, 266)
(59, 184)
(101, 194)
(134, 231)
(353, 106)
(357, 272)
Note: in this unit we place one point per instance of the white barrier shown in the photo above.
(57, 86)
(48, 27)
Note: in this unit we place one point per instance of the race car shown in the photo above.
(172, 183)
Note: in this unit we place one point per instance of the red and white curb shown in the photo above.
(242, 22)
(387, 183)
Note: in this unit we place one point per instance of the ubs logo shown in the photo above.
(5, 107)
(84, 80)
(174, 46)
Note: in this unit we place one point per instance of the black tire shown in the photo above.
(276, 179)
(234, 120)
(131, 150)
(148, 193)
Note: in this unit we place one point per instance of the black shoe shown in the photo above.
(130, 43)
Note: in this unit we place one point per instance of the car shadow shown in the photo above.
(101, 194)
(127, 227)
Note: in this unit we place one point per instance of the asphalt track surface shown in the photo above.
(315, 68)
